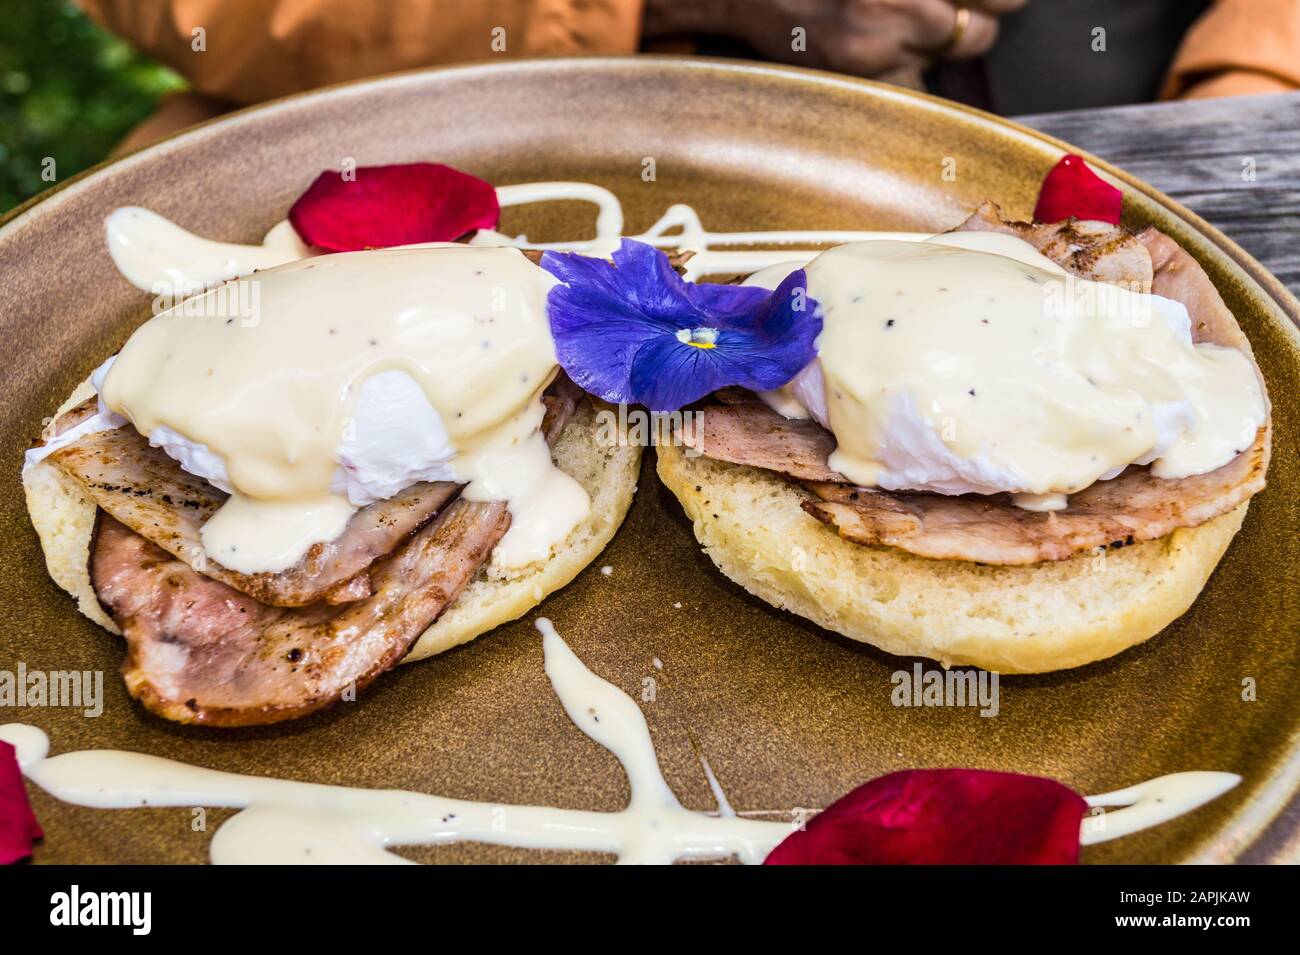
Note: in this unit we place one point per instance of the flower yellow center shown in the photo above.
(698, 337)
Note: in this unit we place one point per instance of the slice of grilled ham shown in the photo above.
(1091, 250)
(987, 529)
(1135, 506)
(199, 651)
(751, 433)
(992, 530)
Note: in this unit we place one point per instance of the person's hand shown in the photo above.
(862, 37)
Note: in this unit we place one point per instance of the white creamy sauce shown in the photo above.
(158, 256)
(1068, 389)
(970, 363)
(251, 535)
(262, 376)
(1052, 383)
(1151, 803)
(148, 247)
(294, 822)
(287, 822)
(298, 448)
(545, 503)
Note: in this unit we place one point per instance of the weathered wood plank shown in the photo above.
(1203, 153)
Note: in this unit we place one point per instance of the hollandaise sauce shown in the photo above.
(286, 822)
(971, 363)
(959, 363)
(265, 372)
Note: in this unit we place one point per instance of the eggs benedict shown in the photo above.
(1023, 447)
(285, 486)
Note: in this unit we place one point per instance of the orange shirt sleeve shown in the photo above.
(1238, 47)
(245, 51)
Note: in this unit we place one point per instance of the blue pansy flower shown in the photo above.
(636, 332)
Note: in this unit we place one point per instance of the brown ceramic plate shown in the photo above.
(787, 714)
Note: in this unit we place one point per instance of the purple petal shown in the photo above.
(615, 329)
(597, 330)
(764, 352)
(667, 374)
(774, 343)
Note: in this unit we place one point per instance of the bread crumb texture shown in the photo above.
(1034, 619)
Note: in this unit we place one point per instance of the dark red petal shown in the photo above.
(385, 206)
(943, 817)
(18, 825)
(1072, 189)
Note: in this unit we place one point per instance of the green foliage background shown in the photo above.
(68, 91)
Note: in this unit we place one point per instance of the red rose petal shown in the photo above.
(1072, 189)
(18, 825)
(393, 205)
(944, 817)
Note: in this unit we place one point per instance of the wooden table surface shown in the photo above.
(1194, 152)
(1197, 152)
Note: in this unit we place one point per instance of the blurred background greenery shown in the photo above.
(68, 92)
